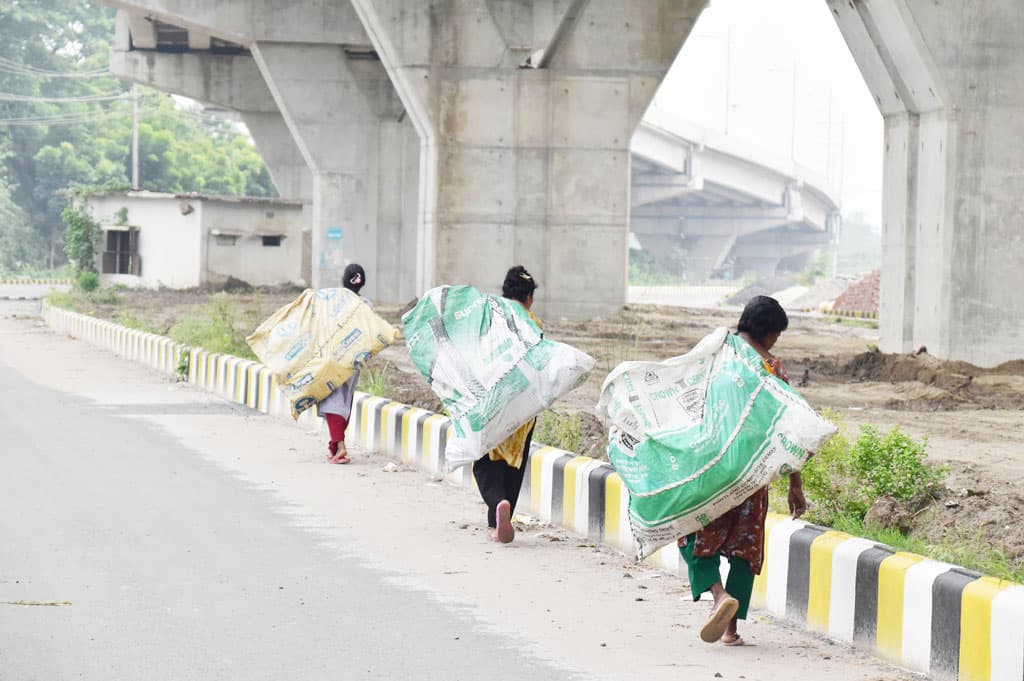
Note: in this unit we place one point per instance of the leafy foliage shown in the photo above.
(559, 430)
(61, 132)
(646, 270)
(88, 281)
(846, 477)
(81, 239)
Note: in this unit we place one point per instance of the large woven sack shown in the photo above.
(489, 364)
(692, 437)
(315, 343)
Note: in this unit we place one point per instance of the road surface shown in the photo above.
(151, 531)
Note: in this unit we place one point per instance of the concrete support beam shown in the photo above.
(340, 115)
(527, 166)
(143, 32)
(656, 187)
(230, 81)
(954, 163)
(245, 21)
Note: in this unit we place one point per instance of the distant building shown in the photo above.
(152, 239)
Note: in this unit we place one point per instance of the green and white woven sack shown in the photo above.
(692, 437)
(489, 364)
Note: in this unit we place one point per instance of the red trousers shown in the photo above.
(336, 424)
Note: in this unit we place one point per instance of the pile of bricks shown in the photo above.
(860, 299)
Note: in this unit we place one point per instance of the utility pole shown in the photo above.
(135, 137)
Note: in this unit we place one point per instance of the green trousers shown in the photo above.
(704, 572)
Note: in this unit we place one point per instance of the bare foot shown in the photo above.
(724, 608)
(492, 533)
(733, 639)
(505, 532)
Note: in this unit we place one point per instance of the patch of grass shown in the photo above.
(855, 321)
(559, 430)
(64, 300)
(974, 552)
(127, 318)
(374, 380)
(218, 326)
(77, 300)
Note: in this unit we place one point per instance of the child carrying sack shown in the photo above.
(489, 364)
(315, 343)
(692, 437)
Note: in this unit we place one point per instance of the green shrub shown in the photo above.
(562, 431)
(88, 281)
(893, 464)
(184, 363)
(215, 327)
(845, 478)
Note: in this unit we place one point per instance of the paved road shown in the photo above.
(194, 539)
(173, 569)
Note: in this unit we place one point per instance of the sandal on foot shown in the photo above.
(738, 641)
(714, 629)
(506, 533)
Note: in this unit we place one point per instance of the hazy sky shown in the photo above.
(745, 65)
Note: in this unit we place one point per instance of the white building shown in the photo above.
(186, 240)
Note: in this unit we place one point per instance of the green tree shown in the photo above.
(83, 138)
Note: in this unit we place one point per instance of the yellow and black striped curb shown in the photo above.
(926, 616)
(37, 282)
(852, 314)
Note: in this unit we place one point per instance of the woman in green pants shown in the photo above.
(739, 534)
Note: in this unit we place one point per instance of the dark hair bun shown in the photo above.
(519, 284)
(354, 277)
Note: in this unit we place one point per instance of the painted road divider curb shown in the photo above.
(928, 617)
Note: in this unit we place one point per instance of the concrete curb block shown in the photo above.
(926, 616)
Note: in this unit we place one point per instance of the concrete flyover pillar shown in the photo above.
(525, 111)
(346, 121)
(945, 78)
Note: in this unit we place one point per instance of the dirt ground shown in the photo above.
(972, 417)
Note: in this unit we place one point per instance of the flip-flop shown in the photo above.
(714, 629)
(506, 533)
(738, 641)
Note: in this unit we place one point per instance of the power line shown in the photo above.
(105, 97)
(29, 70)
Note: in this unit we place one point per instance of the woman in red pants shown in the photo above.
(336, 408)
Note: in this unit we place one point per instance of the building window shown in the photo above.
(272, 241)
(225, 239)
(122, 252)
